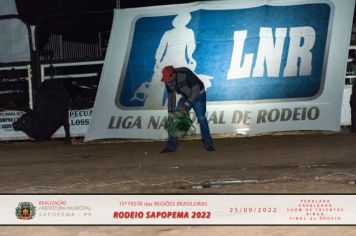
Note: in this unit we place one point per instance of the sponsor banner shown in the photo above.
(178, 210)
(78, 120)
(266, 65)
(6, 130)
(346, 109)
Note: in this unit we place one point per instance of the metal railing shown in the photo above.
(81, 79)
(16, 74)
(59, 73)
(57, 49)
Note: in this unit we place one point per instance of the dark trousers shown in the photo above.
(199, 107)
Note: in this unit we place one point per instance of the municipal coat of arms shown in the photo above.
(25, 211)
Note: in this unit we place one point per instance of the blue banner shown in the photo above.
(267, 66)
(261, 53)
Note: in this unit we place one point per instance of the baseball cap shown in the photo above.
(166, 72)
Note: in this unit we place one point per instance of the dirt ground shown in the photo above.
(307, 162)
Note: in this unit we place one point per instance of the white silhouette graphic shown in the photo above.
(141, 92)
(176, 48)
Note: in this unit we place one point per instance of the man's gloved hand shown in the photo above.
(185, 108)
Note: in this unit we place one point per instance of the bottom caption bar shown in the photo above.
(178, 210)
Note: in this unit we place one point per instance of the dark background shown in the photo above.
(31, 11)
(36, 12)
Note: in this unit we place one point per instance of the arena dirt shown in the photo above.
(307, 162)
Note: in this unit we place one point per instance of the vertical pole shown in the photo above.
(117, 4)
(35, 64)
